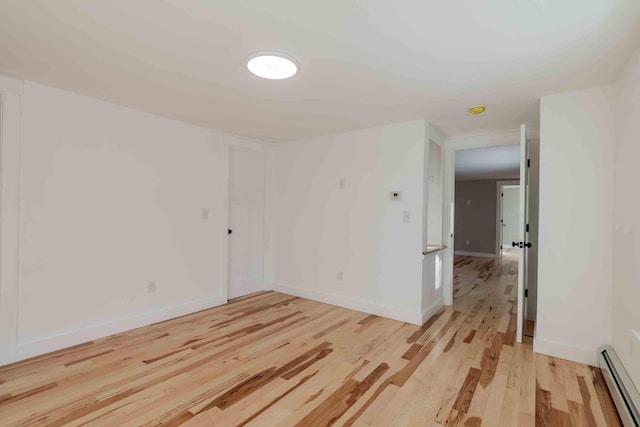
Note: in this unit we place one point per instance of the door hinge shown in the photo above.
(527, 228)
(501, 194)
(526, 293)
(528, 163)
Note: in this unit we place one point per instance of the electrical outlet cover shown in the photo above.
(396, 196)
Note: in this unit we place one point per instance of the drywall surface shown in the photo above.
(123, 220)
(575, 216)
(626, 233)
(475, 217)
(339, 236)
(435, 183)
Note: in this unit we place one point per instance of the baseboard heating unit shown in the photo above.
(625, 395)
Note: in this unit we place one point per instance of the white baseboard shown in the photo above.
(65, 339)
(351, 303)
(583, 355)
(431, 310)
(476, 254)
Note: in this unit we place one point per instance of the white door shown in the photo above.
(522, 230)
(246, 221)
(510, 214)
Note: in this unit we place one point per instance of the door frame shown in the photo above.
(499, 190)
(266, 149)
(484, 140)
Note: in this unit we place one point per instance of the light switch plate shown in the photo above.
(395, 196)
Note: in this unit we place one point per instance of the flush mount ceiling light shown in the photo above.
(271, 64)
(477, 109)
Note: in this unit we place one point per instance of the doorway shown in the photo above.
(246, 221)
(508, 202)
(524, 242)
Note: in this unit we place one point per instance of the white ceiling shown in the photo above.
(488, 163)
(363, 62)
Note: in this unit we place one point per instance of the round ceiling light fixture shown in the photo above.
(477, 109)
(271, 64)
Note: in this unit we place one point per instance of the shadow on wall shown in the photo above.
(475, 217)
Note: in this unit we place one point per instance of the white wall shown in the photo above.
(111, 199)
(626, 233)
(575, 216)
(434, 226)
(323, 229)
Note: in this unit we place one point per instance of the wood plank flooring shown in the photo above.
(272, 359)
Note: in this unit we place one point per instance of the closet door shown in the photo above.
(246, 221)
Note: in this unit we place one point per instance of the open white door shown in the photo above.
(522, 230)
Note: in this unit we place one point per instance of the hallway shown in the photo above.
(271, 359)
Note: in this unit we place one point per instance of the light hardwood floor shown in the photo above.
(271, 359)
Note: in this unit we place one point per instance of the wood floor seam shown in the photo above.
(270, 359)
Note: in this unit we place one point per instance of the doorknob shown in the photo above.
(516, 244)
(528, 244)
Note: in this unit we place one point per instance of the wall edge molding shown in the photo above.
(351, 303)
(428, 312)
(577, 354)
(70, 338)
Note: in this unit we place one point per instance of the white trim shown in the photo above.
(532, 131)
(587, 356)
(78, 336)
(247, 143)
(476, 254)
(499, 190)
(428, 312)
(351, 303)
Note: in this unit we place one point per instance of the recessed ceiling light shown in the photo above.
(271, 64)
(477, 109)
